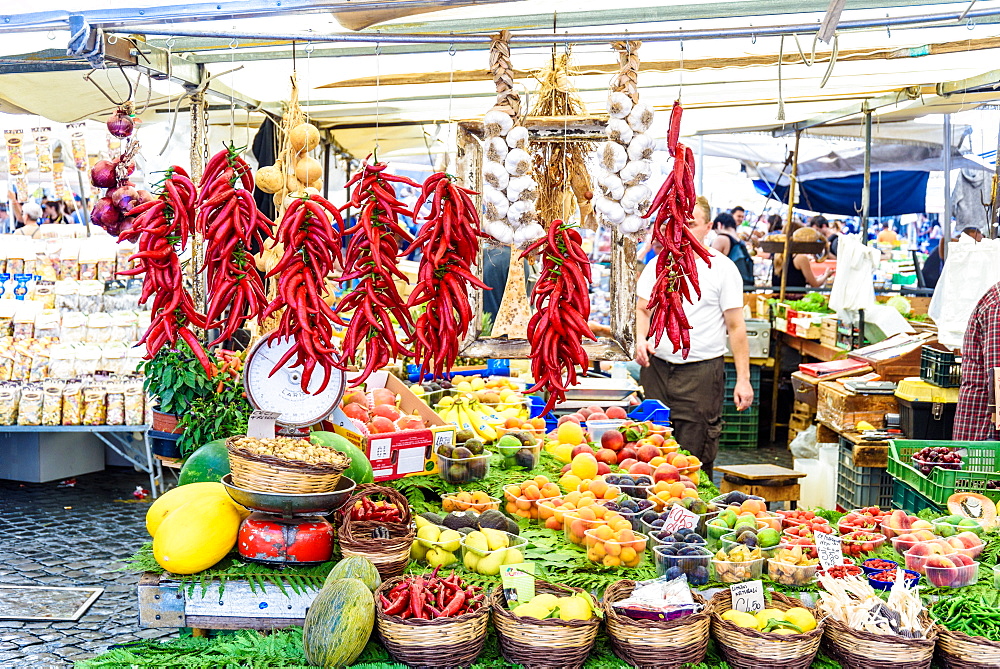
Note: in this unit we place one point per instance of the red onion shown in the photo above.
(145, 196)
(125, 197)
(102, 174)
(120, 124)
(105, 213)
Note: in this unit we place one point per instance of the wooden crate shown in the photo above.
(804, 408)
(800, 422)
(760, 307)
(828, 331)
(843, 410)
(805, 389)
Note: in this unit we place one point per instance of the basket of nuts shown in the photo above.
(285, 464)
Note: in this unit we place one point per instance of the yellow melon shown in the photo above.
(197, 535)
(177, 497)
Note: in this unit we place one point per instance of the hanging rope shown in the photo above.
(781, 99)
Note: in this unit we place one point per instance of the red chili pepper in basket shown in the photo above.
(676, 268)
(311, 233)
(371, 259)
(449, 243)
(561, 298)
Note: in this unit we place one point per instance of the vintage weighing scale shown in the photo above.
(284, 528)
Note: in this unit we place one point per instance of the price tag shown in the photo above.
(830, 551)
(261, 424)
(747, 596)
(678, 517)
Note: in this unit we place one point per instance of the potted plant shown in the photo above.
(175, 378)
(219, 414)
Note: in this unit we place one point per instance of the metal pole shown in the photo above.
(866, 189)
(83, 200)
(946, 223)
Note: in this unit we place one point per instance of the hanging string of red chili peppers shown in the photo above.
(449, 241)
(676, 270)
(372, 260)
(561, 298)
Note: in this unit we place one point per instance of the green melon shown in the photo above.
(360, 470)
(338, 623)
(357, 567)
(209, 463)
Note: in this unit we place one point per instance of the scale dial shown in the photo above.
(282, 392)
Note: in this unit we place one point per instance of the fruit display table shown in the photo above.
(773, 483)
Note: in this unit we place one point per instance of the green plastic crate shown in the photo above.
(906, 498)
(731, 385)
(980, 466)
(740, 428)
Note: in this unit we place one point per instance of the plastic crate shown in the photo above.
(980, 465)
(940, 367)
(927, 420)
(535, 410)
(906, 498)
(493, 367)
(739, 428)
(731, 382)
(652, 410)
(861, 486)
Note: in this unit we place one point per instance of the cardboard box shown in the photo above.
(843, 410)
(399, 454)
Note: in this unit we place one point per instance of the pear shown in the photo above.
(470, 561)
(440, 558)
(513, 556)
(477, 543)
(495, 538)
(428, 535)
(449, 540)
(489, 565)
(417, 551)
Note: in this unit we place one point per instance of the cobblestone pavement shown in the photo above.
(72, 537)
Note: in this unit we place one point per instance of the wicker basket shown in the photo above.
(267, 473)
(749, 649)
(445, 642)
(539, 644)
(958, 650)
(652, 643)
(864, 650)
(389, 556)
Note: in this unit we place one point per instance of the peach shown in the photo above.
(593, 408)
(607, 456)
(656, 439)
(679, 461)
(598, 415)
(616, 413)
(582, 448)
(613, 440)
(627, 453)
(666, 472)
(961, 559)
(563, 419)
(357, 411)
(968, 539)
(625, 463)
(921, 524)
(381, 425)
(410, 423)
(383, 396)
(603, 468)
(641, 468)
(647, 452)
(939, 561)
(928, 548)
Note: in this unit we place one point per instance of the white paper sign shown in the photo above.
(830, 551)
(261, 424)
(678, 517)
(747, 596)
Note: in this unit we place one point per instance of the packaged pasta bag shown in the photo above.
(115, 298)
(134, 358)
(69, 260)
(135, 398)
(106, 257)
(48, 324)
(52, 400)
(47, 258)
(24, 319)
(91, 296)
(115, 402)
(29, 406)
(99, 328)
(95, 408)
(73, 327)
(7, 310)
(113, 358)
(124, 326)
(22, 359)
(10, 392)
(62, 361)
(88, 358)
(66, 291)
(44, 292)
(19, 249)
(39, 362)
(72, 402)
(90, 254)
(7, 356)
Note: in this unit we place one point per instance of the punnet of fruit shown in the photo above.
(926, 459)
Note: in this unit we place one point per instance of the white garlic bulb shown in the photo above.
(525, 235)
(613, 212)
(618, 130)
(495, 203)
(517, 162)
(500, 231)
(636, 172)
(641, 117)
(495, 175)
(520, 214)
(612, 156)
(619, 105)
(632, 224)
(522, 188)
(637, 199)
(611, 187)
(534, 231)
(497, 123)
(641, 147)
(496, 150)
(517, 138)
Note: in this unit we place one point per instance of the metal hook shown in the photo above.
(51, 34)
(310, 47)
(233, 43)
(970, 24)
(888, 30)
(171, 41)
(112, 38)
(753, 38)
(451, 47)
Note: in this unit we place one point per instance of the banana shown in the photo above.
(462, 419)
(447, 414)
(479, 426)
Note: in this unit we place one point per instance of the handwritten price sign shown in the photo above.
(747, 596)
(830, 550)
(678, 517)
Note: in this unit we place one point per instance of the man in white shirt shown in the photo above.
(693, 387)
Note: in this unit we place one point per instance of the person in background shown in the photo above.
(980, 356)
(887, 235)
(800, 274)
(54, 211)
(6, 223)
(821, 225)
(739, 213)
(693, 386)
(774, 223)
(931, 271)
(32, 214)
(729, 244)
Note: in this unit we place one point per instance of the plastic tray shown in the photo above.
(980, 466)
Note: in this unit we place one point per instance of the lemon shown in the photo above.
(574, 608)
(562, 452)
(766, 614)
(864, 425)
(801, 618)
(783, 630)
(463, 387)
(545, 600)
(477, 383)
(740, 618)
(446, 401)
(532, 610)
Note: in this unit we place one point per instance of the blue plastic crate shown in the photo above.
(493, 367)
(537, 405)
(651, 410)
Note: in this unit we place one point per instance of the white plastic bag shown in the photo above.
(804, 445)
